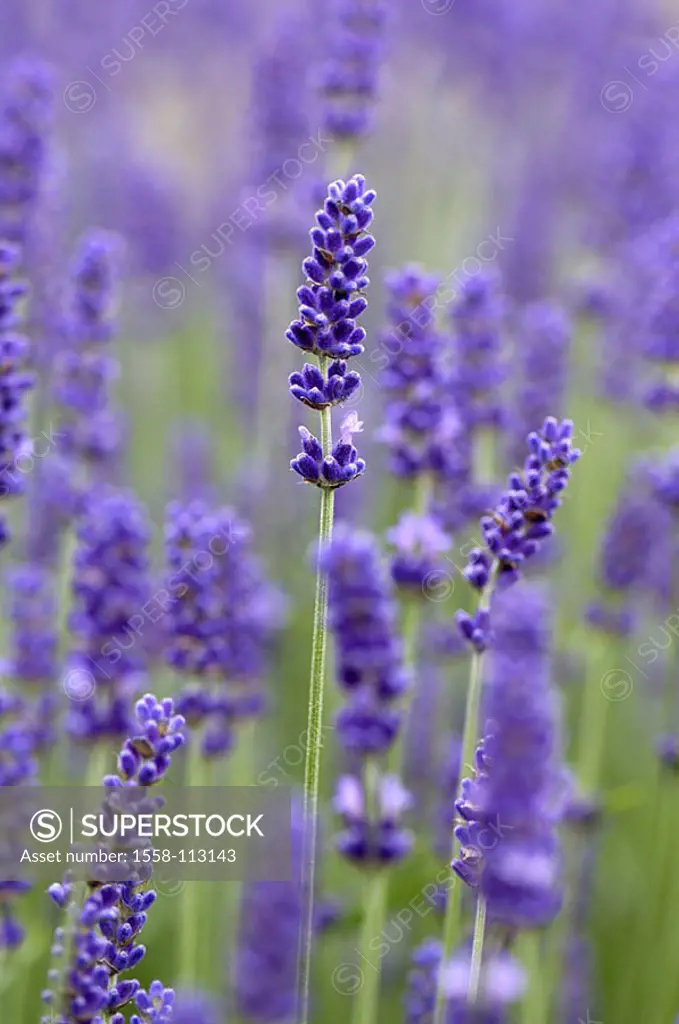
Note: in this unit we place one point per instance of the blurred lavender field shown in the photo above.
(423, 257)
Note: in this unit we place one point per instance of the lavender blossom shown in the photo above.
(370, 672)
(503, 985)
(413, 377)
(479, 372)
(221, 617)
(109, 923)
(543, 349)
(418, 543)
(194, 1008)
(26, 109)
(362, 617)
(18, 767)
(340, 467)
(14, 381)
(86, 369)
(625, 561)
(509, 844)
(110, 587)
(33, 662)
(265, 968)
(349, 77)
(662, 313)
(377, 839)
(521, 519)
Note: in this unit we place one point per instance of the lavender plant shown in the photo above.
(512, 535)
(370, 672)
(330, 303)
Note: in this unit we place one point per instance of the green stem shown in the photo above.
(594, 716)
(312, 765)
(376, 893)
(532, 1009)
(452, 921)
(477, 950)
(190, 907)
(365, 1010)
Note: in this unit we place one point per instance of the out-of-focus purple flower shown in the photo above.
(349, 78)
(664, 480)
(14, 381)
(18, 767)
(34, 654)
(265, 966)
(90, 426)
(419, 541)
(478, 371)
(285, 133)
(509, 845)
(413, 375)
(26, 109)
(503, 984)
(363, 617)
(110, 587)
(195, 1008)
(661, 333)
(372, 838)
(542, 348)
(221, 615)
(625, 560)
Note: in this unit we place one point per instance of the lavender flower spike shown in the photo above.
(14, 380)
(329, 304)
(332, 299)
(109, 923)
(349, 76)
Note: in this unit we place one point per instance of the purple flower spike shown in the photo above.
(350, 75)
(15, 381)
(340, 467)
(312, 389)
(377, 841)
(363, 616)
(522, 517)
(332, 299)
(509, 810)
(110, 586)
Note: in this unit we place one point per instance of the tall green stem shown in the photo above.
(477, 950)
(190, 910)
(452, 921)
(312, 766)
(375, 909)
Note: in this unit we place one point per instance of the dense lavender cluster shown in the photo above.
(474, 377)
(15, 380)
(413, 377)
(221, 615)
(110, 921)
(329, 305)
(509, 844)
(86, 368)
(111, 585)
(661, 309)
(625, 561)
(26, 109)
(349, 78)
